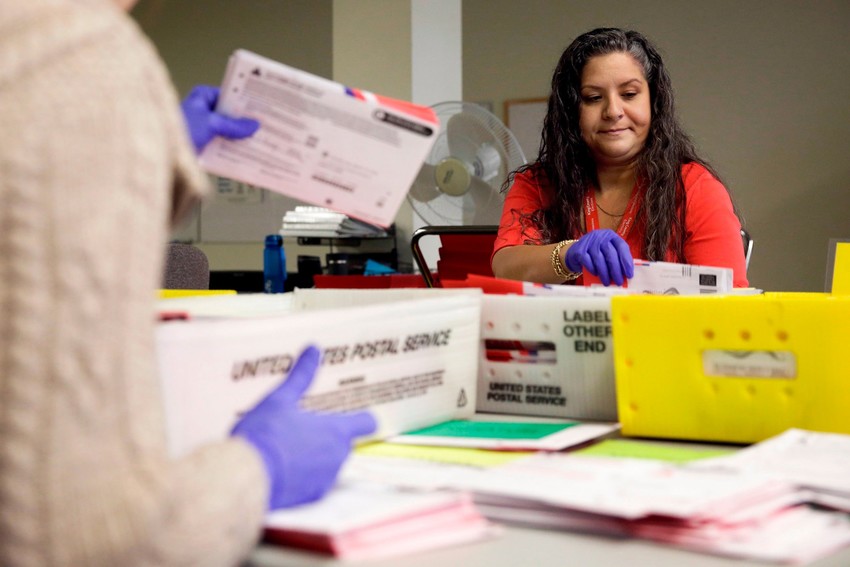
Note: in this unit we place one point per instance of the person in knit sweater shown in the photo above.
(95, 167)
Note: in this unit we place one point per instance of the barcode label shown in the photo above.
(749, 363)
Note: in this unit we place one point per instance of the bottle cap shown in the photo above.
(274, 240)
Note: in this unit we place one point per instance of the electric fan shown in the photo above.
(460, 181)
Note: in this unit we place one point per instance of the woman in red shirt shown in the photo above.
(616, 177)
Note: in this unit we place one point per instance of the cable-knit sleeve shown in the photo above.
(93, 164)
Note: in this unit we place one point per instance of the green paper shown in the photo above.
(491, 429)
(644, 450)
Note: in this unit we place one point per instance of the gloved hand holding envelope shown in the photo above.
(320, 141)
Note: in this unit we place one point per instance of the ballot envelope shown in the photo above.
(319, 141)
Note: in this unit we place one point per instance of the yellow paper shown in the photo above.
(627, 448)
(450, 455)
(172, 293)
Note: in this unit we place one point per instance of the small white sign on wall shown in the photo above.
(233, 191)
(241, 212)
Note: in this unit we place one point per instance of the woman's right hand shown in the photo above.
(604, 254)
(303, 451)
(204, 123)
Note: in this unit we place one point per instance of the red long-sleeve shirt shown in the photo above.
(712, 229)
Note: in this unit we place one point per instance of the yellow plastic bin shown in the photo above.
(733, 369)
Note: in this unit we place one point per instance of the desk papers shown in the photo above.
(413, 363)
(320, 141)
(818, 462)
(737, 514)
(622, 488)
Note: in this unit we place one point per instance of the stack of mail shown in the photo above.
(358, 521)
(324, 223)
(818, 463)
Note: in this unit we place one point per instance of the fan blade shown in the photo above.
(424, 188)
(483, 204)
(465, 135)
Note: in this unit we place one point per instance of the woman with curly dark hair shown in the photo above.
(616, 177)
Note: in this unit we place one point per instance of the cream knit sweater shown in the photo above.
(94, 165)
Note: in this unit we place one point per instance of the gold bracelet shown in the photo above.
(558, 265)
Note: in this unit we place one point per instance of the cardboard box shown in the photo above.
(413, 363)
(731, 369)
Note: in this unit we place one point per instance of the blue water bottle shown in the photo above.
(274, 264)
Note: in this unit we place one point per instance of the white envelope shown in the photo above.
(668, 278)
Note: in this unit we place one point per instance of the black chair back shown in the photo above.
(186, 267)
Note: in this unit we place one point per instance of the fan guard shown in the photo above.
(461, 179)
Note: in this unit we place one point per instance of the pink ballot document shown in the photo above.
(319, 141)
(358, 521)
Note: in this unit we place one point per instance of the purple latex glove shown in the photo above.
(302, 451)
(604, 254)
(204, 123)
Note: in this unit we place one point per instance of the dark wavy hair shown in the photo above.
(565, 159)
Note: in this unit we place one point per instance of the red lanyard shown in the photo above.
(591, 214)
